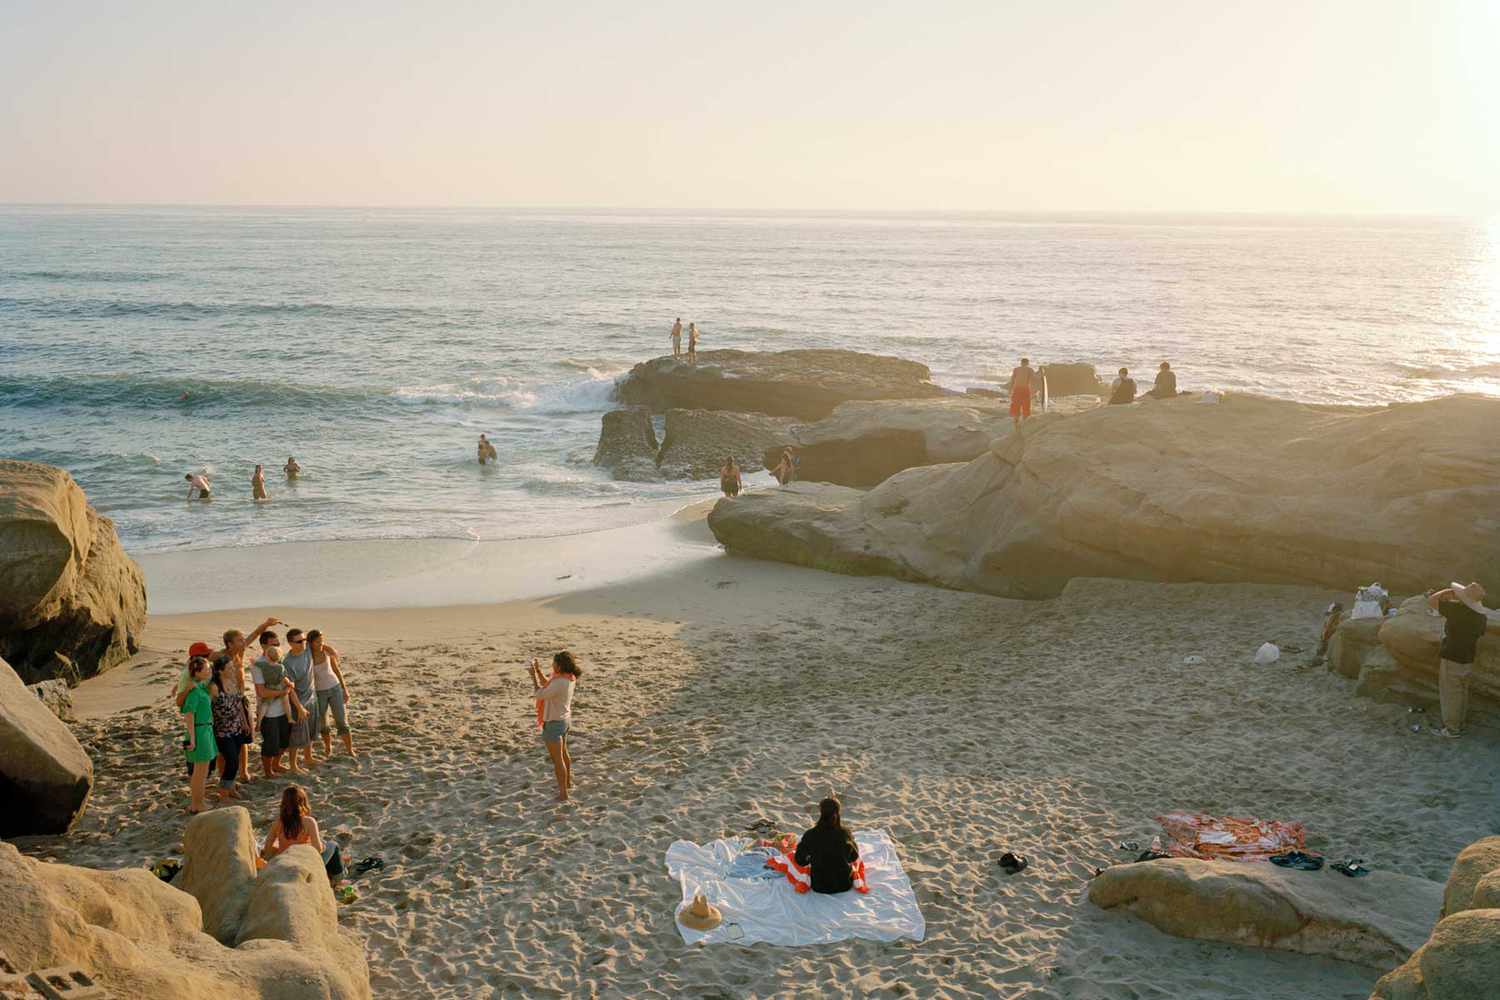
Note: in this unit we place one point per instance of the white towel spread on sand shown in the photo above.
(774, 912)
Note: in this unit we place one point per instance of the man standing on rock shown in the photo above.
(1464, 621)
(1021, 380)
(677, 338)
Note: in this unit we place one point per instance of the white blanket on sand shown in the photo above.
(775, 912)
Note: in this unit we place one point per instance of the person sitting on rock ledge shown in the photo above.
(1166, 383)
(1464, 621)
(1123, 389)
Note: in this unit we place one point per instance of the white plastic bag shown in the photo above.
(1369, 602)
(1267, 654)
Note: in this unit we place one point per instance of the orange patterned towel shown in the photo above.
(801, 875)
(1229, 838)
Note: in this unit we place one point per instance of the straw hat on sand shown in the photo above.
(700, 915)
(1471, 596)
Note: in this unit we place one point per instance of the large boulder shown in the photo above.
(1248, 490)
(45, 776)
(696, 442)
(291, 901)
(139, 937)
(627, 444)
(1473, 863)
(802, 384)
(56, 695)
(218, 870)
(66, 585)
(1072, 379)
(1461, 961)
(1412, 638)
(1378, 920)
(1352, 644)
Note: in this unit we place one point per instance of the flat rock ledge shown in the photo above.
(1377, 921)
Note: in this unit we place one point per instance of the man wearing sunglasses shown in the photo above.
(298, 665)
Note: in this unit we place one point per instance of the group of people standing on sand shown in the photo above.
(1026, 382)
(200, 488)
(692, 343)
(295, 693)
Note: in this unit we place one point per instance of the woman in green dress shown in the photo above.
(198, 717)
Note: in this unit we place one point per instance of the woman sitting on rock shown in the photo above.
(295, 825)
(828, 849)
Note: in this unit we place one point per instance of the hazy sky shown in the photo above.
(1311, 105)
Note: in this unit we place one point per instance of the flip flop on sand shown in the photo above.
(1354, 867)
(1298, 860)
(370, 864)
(1152, 856)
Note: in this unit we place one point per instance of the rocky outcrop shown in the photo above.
(1377, 920)
(45, 777)
(1248, 490)
(1461, 960)
(218, 870)
(696, 442)
(864, 443)
(142, 938)
(66, 585)
(627, 445)
(1396, 658)
(56, 695)
(802, 384)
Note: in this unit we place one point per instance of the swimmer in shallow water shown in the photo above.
(198, 485)
(291, 468)
(258, 484)
(486, 450)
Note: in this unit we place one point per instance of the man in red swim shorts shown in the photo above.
(1021, 380)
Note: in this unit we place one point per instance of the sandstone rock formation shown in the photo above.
(802, 384)
(627, 445)
(45, 776)
(139, 937)
(1397, 658)
(1377, 920)
(66, 586)
(56, 695)
(218, 850)
(1461, 960)
(696, 442)
(1249, 490)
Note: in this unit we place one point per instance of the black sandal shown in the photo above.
(370, 864)
(1299, 860)
(1353, 867)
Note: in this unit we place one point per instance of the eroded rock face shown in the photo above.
(627, 445)
(1249, 490)
(66, 585)
(56, 695)
(1073, 379)
(1473, 863)
(218, 852)
(696, 442)
(144, 938)
(802, 384)
(1461, 961)
(45, 776)
(1378, 920)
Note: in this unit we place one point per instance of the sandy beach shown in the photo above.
(721, 692)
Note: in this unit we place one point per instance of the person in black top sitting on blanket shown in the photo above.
(828, 849)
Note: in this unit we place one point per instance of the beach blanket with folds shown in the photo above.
(758, 889)
(1228, 838)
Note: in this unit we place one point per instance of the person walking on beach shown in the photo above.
(554, 702)
(829, 850)
(1021, 380)
(295, 825)
(1123, 389)
(677, 338)
(231, 724)
(730, 480)
(299, 670)
(198, 720)
(277, 701)
(258, 485)
(1464, 621)
(200, 485)
(332, 692)
(692, 343)
(1165, 386)
(291, 468)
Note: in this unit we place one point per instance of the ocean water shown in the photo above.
(137, 344)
